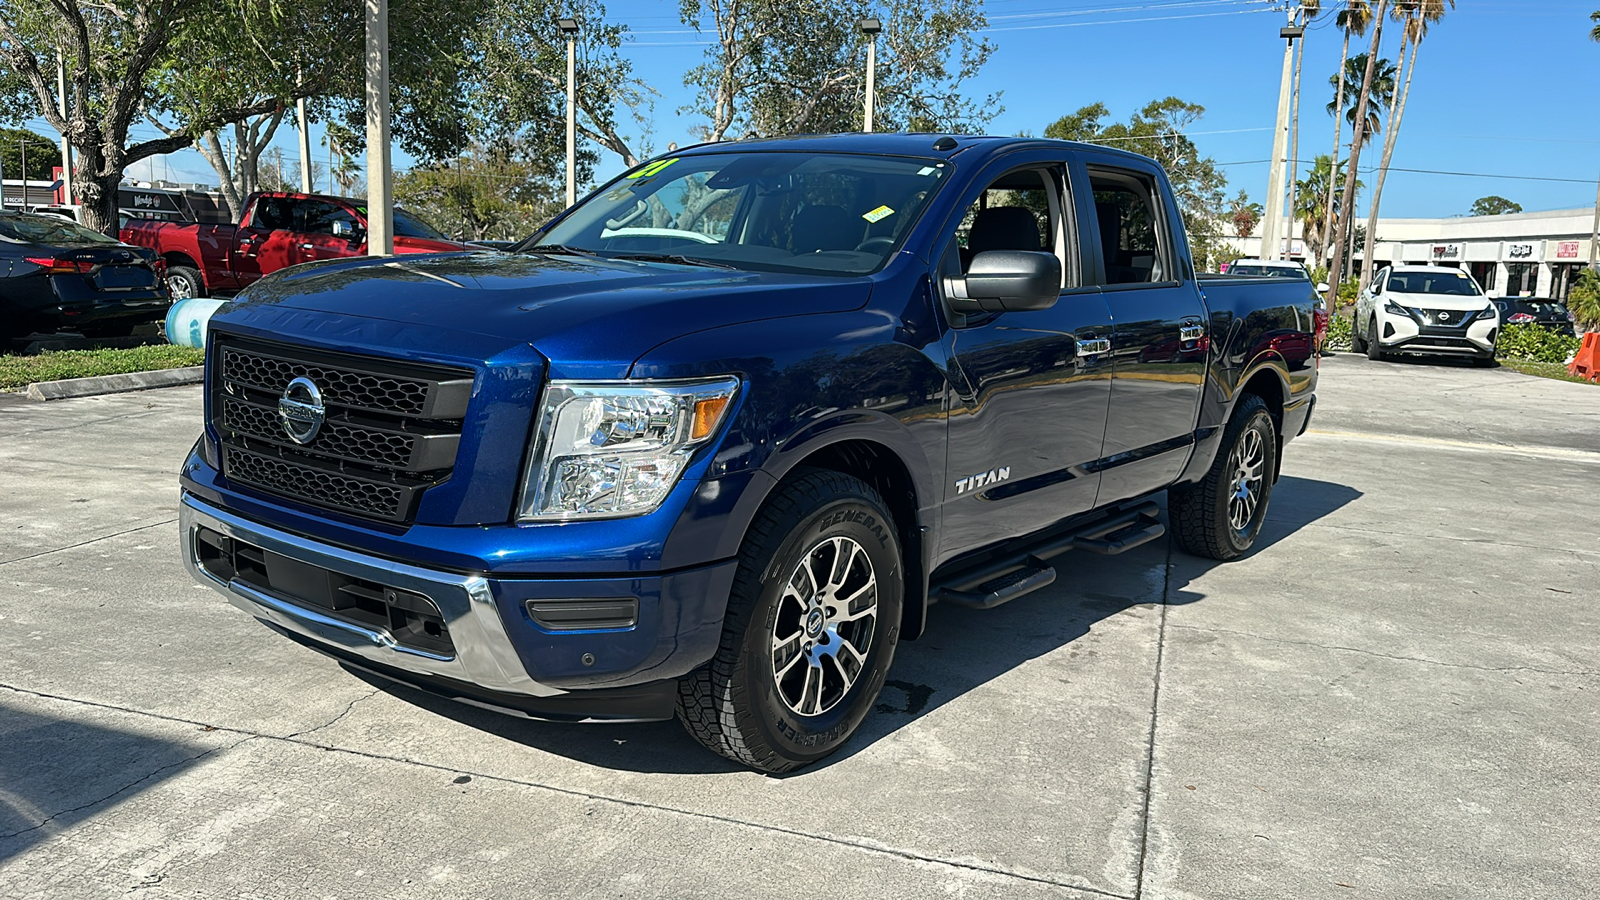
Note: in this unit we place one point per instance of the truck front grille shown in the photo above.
(389, 431)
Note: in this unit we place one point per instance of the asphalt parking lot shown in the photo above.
(1397, 695)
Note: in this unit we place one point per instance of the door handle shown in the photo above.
(306, 246)
(1191, 332)
(1092, 346)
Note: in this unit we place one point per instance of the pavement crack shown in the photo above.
(861, 844)
(96, 540)
(1581, 673)
(331, 722)
(125, 788)
(1150, 741)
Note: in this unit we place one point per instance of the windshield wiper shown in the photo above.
(675, 258)
(559, 250)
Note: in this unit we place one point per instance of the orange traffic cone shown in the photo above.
(1586, 364)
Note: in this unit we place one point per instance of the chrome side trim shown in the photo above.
(484, 653)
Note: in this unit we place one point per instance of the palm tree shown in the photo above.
(1383, 81)
(1353, 19)
(1414, 17)
(1594, 33)
(1364, 98)
(1318, 190)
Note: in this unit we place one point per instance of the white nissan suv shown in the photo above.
(1433, 310)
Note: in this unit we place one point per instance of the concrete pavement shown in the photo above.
(1394, 696)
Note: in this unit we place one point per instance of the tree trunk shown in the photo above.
(211, 149)
(1390, 138)
(1349, 199)
(1333, 173)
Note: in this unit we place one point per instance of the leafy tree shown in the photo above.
(1584, 300)
(487, 193)
(1157, 131)
(520, 73)
(1244, 214)
(800, 66)
(1382, 95)
(1494, 205)
(43, 154)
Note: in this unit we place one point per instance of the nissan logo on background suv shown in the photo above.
(301, 411)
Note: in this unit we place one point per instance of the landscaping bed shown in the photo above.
(17, 372)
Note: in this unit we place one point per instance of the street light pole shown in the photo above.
(66, 145)
(569, 27)
(380, 173)
(870, 28)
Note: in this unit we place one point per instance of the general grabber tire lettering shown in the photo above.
(810, 630)
(1221, 516)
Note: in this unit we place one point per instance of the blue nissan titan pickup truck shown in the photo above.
(712, 442)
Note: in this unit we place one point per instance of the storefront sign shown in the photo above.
(1519, 251)
(1567, 250)
(1446, 251)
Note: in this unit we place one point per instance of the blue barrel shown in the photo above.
(186, 320)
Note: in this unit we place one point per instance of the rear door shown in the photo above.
(261, 243)
(1159, 336)
(1031, 388)
(314, 237)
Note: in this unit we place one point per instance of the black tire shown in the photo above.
(1374, 349)
(184, 282)
(738, 705)
(1202, 514)
(1358, 341)
(1483, 362)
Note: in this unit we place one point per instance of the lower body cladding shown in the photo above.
(562, 649)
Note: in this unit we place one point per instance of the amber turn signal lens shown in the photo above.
(706, 415)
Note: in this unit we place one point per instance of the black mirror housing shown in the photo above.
(1007, 281)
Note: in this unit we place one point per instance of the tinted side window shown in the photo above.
(318, 216)
(1013, 213)
(1130, 230)
(273, 214)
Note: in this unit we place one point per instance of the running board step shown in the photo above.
(1001, 589)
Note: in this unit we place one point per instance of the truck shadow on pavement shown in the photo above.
(56, 773)
(961, 651)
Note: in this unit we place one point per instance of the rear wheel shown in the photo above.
(810, 629)
(1221, 516)
(184, 282)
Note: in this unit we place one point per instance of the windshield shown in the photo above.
(1269, 271)
(1546, 308)
(1448, 282)
(49, 230)
(407, 225)
(823, 213)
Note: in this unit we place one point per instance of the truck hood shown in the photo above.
(403, 244)
(590, 317)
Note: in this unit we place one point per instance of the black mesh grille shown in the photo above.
(320, 488)
(389, 429)
(347, 388)
(334, 439)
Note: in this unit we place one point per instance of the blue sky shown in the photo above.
(1504, 88)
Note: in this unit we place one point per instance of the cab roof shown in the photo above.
(919, 144)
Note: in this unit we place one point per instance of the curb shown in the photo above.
(114, 384)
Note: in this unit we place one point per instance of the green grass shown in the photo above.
(17, 372)
(1541, 369)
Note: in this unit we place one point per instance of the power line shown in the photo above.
(1374, 169)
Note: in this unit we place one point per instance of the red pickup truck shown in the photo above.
(279, 229)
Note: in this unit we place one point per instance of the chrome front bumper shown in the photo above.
(484, 655)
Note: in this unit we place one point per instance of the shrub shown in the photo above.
(1338, 334)
(1535, 342)
(1584, 300)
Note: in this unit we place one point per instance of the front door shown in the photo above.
(1160, 336)
(1030, 387)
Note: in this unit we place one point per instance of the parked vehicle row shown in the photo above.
(1539, 311)
(1425, 310)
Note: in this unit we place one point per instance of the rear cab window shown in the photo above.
(1134, 246)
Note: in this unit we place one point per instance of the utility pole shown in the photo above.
(1294, 125)
(1594, 239)
(380, 174)
(1271, 244)
(870, 28)
(569, 27)
(305, 141)
(66, 145)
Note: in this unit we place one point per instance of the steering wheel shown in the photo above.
(879, 244)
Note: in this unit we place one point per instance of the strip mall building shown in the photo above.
(1520, 255)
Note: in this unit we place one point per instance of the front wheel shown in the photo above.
(1221, 516)
(1374, 349)
(810, 629)
(1358, 341)
(184, 282)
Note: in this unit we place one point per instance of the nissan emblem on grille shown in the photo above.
(301, 411)
(1444, 316)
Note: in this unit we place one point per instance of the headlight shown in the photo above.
(1493, 313)
(606, 449)
(1394, 308)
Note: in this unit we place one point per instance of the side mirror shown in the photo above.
(1007, 281)
(1322, 287)
(343, 229)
